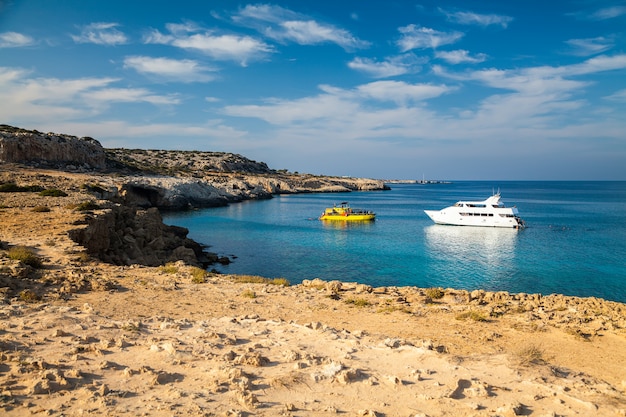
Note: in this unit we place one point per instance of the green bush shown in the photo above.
(41, 209)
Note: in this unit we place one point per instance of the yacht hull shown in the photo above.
(451, 219)
(487, 213)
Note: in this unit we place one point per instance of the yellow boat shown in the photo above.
(344, 212)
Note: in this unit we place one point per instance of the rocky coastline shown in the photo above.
(107, 311)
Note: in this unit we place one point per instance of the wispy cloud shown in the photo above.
(223, 47)
(15, 40)
(590, 46)
(108, 96)
(535, 102)
(184, 70)
(22, 95)
(389, 67)
(460, 56)
(400, 92)
(416, 37)
(101, 33)
(337, 103)
(471, 18)
(608, 13)
(284, 25)
(543, 79)
(618, 96)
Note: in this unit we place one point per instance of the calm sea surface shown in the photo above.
(574, 243)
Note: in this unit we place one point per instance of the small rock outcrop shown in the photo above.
(50, 149)
(125, 235)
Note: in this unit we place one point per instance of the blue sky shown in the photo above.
(459, 90)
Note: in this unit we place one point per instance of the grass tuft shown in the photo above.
(169, 268)
(358, 302)
(471, 315)
(53, 192)
(29, 296)
(86, 206)
(198, 275)
(25, 256)
(530, 355)
(435, 293)
(248, 294)
(255, 279)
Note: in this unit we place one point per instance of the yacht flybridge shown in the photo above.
(488, 213)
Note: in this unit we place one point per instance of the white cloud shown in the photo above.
(336, 103)
(609, 13)
(618, 96)
(101, 33)
(185, 70)
(535, 108)
(284, 25)
(589, 46)
(391, 66)
(108, 96)
(415, 37)
(471, 18)
(22, 96)
(228, 47)
(401, 92)
(460, 56)
(14, 40)
(543, 79)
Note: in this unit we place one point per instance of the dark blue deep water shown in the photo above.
(574, 243)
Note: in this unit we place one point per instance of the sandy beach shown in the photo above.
(81, 337)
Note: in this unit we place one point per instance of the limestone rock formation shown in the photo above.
(125, 235)
(50, 149)
(167, 179)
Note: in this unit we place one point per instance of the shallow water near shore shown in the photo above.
(574, 243)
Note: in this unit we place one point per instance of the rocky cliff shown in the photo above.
(171, 180)
(50, 149)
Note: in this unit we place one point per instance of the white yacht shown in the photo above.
(488, 213)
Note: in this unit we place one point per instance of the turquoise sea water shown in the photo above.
(574, 243)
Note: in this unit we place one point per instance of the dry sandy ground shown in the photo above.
(111, 341)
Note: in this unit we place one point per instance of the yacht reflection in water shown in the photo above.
(473, 255)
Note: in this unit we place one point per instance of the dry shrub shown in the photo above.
(169, 268)
(471, 315)
(41, 209)
(254, 279)
(198, 275)
(25, 255)
(248, 294)
(358, 302)
(435, 293)
(530, 355)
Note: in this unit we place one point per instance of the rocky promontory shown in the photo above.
(172, 180)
